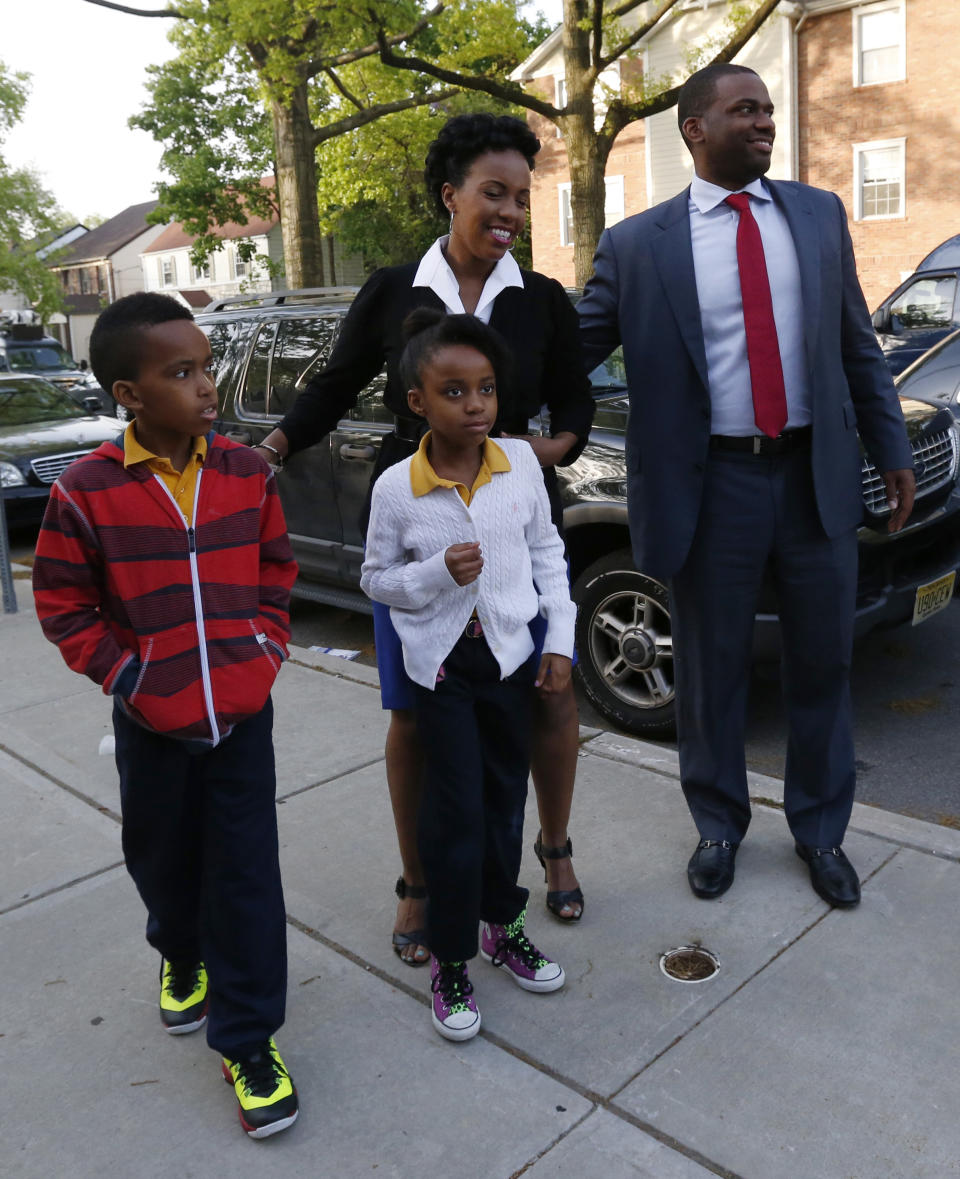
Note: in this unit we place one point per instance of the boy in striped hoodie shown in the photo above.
(163, 572)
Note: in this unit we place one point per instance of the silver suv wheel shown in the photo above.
(625, 646)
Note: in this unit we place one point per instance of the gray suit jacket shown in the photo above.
(643, 294)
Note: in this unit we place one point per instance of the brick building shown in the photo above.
(868, 105)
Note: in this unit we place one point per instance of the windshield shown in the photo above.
(23, 403)
(39, 358)
(611, 374)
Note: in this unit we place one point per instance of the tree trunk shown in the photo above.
(587, 194)
(297, 190)
(584, 155)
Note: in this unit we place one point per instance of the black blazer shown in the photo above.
(537, 322)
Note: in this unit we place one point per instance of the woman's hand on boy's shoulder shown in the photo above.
(464, 562)
(553, 675)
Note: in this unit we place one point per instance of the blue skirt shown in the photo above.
(396, 687)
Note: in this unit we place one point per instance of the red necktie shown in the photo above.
(763, 349)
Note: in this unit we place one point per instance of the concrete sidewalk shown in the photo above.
(825, 1047)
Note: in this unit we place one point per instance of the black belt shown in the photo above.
(799, 439)
(473, 629)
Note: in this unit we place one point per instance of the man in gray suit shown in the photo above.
(751, 364)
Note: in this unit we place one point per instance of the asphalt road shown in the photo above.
(906, 693)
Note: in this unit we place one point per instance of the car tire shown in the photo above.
(625, 646)
(121, 413)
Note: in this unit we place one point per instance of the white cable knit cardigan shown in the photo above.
(405, 569)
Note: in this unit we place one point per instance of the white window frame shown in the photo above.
(859, 150)
(559, 99)
(563, 189)
(611, 185)
(899, 6)
(162, 264)
(201, 273)
(236, 262)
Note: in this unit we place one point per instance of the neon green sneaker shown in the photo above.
(267, 1095)
(183, 996)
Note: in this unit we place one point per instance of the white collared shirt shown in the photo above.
(434, 272)
(713, 231)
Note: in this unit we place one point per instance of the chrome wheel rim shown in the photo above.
(631, 647)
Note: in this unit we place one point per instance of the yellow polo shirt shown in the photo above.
(182, 485)
(423, 478)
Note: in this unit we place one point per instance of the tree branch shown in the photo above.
(351, 55)
(596, 49)
(743, 35)
(504, 91)
(619, 113)
(370, 113)
(169, 12)
(638, 34)
(343, 90)
(625, 7)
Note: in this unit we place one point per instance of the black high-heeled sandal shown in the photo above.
(557, 899)
(416, 937)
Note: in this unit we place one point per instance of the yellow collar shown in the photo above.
(133, 452)
(423, 478)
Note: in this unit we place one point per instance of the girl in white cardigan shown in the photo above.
(462, 549)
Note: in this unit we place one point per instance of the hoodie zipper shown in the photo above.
(197, 604)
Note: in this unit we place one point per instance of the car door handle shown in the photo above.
(356, 453)
(243, 436)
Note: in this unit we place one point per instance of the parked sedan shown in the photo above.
(42, 430)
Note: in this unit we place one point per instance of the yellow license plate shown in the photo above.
(933, 597)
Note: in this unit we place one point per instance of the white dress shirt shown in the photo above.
(713, 230)
(434, 272)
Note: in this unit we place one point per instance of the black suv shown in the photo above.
(268, 346)
(26, 351)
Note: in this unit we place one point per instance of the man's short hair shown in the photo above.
(700, 89)
(116, 342)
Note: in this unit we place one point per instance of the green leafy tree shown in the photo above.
(596, 35)
(315, 69)
(27, 211)
(371, 190)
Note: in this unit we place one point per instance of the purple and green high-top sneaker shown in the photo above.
(453, 1010)
(509, 947)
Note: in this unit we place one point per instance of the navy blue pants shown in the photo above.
(475, 732)
(200, 841)
(759, 512)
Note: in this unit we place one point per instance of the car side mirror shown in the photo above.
(92, 404)
(881, 320)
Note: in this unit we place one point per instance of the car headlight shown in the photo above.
(10, 476)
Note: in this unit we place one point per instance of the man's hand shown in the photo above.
(464, 562)
(553, 675)
(549, 451)
(901, 488)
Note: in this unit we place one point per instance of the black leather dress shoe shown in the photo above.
(832, 875)
(711, 867)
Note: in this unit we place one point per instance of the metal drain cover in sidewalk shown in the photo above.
(689, 964)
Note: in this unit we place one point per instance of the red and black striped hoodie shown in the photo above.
(187, 625)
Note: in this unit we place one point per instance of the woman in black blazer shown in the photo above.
(478, 172)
